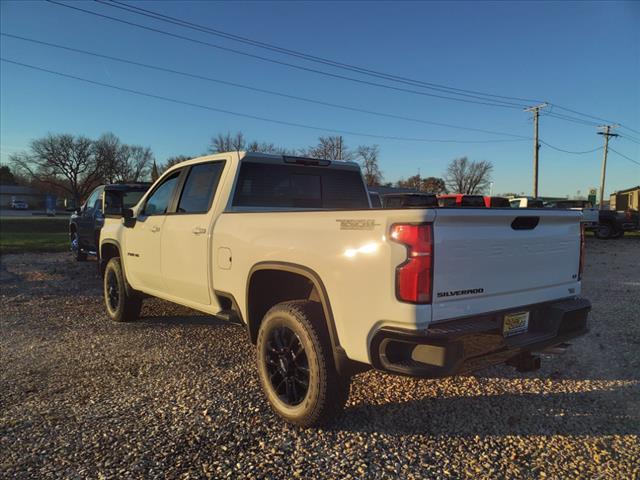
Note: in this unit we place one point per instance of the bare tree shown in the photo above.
(367, 155)
(64, 162)
(434, 185)
(329, 148)
(108, 151)
(414, 182)
(265, 147)
(136, 163)
(468, 177)
(171, 161)
(122, 163)
(228, 143)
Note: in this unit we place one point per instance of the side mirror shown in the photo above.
(78, 211)
(129, 220)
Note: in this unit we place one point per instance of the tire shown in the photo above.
(77, 252)
(604, 231)
(295, 365)
(122, 303)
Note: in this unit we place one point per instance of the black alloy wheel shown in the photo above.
(287, 365)
(112, 290)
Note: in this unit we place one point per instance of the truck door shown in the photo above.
(186, 237)
(91, 213)
(142, 241)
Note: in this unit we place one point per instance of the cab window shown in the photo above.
(93, 202)
(158, 201)
(200, 187)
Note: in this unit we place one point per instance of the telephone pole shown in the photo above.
(536, 144)
(606, 133)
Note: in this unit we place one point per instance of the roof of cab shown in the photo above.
(258, 156)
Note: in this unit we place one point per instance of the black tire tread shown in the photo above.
(131, 302)
(334, 390)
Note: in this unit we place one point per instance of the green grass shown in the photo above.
(19, 235)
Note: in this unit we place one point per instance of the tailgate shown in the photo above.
(489, 260)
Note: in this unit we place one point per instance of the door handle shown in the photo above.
(155, 229)
(199, 231)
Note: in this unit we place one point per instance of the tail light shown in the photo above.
(414, 280)
(581, 267)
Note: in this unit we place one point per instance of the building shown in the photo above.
(628, 199)
(10, 193)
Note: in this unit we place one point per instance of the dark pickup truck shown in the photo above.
(613, 224)
(86, 222)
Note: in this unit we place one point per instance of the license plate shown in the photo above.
(515, 323)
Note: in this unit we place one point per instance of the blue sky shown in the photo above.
(581, 55)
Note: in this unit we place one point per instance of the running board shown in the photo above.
(228, 316)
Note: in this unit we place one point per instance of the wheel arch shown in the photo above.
(263, 274)
(108, 250)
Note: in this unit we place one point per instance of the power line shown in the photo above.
(631, 139)
(256, 89)
(398, 78)
(298, 54)
(630, 129)
(502, 104)
(570, 151)
(569, 118)
(246, 115)
(624, 156)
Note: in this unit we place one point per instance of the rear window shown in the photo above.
(130, 199)
(409, 201)
(292, 186)
(500, 202)
(447, 202)
(472, 201)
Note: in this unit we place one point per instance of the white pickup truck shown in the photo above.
(328, 286)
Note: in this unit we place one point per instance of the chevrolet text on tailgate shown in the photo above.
(327, 287)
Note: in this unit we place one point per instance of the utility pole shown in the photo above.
(606, 133)
(536, 144)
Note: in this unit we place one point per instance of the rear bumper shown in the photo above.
(468, 344)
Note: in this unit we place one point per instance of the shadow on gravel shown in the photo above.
(611, 412)
(159, 320)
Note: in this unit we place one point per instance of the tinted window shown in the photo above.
(392, 202)
(158, 202)
(200, 187)
(515, 203)
(129, 199)
(92, 201)
(535, 204)
(289, 186)
(447, 202)
(419, 201)
(499, 202)
(472, 201)
(376, 202)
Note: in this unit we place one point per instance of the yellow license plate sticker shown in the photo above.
(515, 323)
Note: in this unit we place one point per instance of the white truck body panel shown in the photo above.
(474, 248)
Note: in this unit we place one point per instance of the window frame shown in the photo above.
(172, 198)
(182, 182)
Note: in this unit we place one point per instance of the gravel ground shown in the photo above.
(176, 395)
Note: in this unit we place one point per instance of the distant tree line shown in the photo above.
(72, 166)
